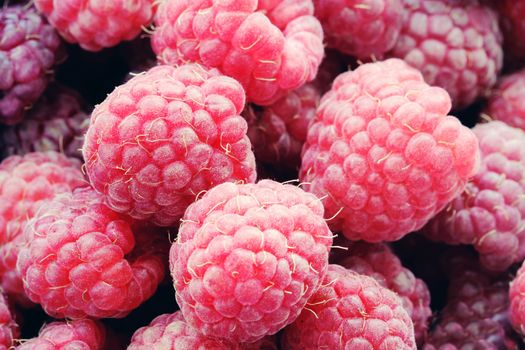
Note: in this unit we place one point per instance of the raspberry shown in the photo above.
(8, 327)
(507, 100)
(517, 301)
(270, 47)
(26, 185)
(163, 137)
(95, 24)
(455, 43)
(489, 213)
(82, 259)
(359, 28)
(475, 316)
(512, 17)
(79, 334)
(29, 48)
(379, 262)
(248, 257)
(383, 154)
(171, 332)
(351, 311)
(56, 123)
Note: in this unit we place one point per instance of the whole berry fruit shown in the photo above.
(383, 154)
(270, 47)
(351, 311)
(455, 43)
(82, 259)
(507, 100)
(490, 213)
(29, 48)
(248, 257)
(163, 137)
(94, 24)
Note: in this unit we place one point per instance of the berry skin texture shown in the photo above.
(270, 47)
(28, 183)
(362, 29)
(8, 327)
(517, 301)
(56, 123)
(507, 100)
(29, 48)
(383, 154)
(80, 334)
(163, 137)
(351, 311)
(489, 214)
(379, 262)
(512, 17)
(82, 259)
(247, 259)
(95, 25)
(455, 43)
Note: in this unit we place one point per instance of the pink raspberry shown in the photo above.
(171, 332)
(351, 311)
(56, 123)
(95, 24)
(270, 46)
(79, 334)
(517, 301)
(383, 154)
(512, 18)
(455, 43)
(27, 184)
(163, 137)
(29, 48)
(82, 259)
(489, 213)
(507, 100)
(379, 262)
(360, 28)
(248, 257)
(8, 327)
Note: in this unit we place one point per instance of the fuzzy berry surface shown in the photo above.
(489, 214)
(8, 328)
(383, 154)
(248, 257)
(94, 24)
(80, 334)
(28, 183)
(82, 259)
(507, 100)
(362, 29)
(57, 122)
(29, 48)
(270, 47)
(379, 262)
(457, 45)
(517, 301)
(351, 311)
(163, 137)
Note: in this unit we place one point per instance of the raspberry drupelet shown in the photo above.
(82, 259)
(270, 47)
(382, 153)
(507, 100)
(248, 257)
(8, 327)
(163, 137)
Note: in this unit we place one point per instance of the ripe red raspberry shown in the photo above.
(383, 154)
(26, 185)
(29, 48)
(248, 257)
(489, 213)
(171, 332)
(79, 334)
(270, 47)
(379, 262)
(512, 18)
(95, 24)
(507, 100)
(8, 327)
(56, 123)
(163, 137)
(82, 259)
(455, 43)
(362, 29)
(351, 311)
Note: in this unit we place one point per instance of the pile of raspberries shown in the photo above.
(262, 174)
